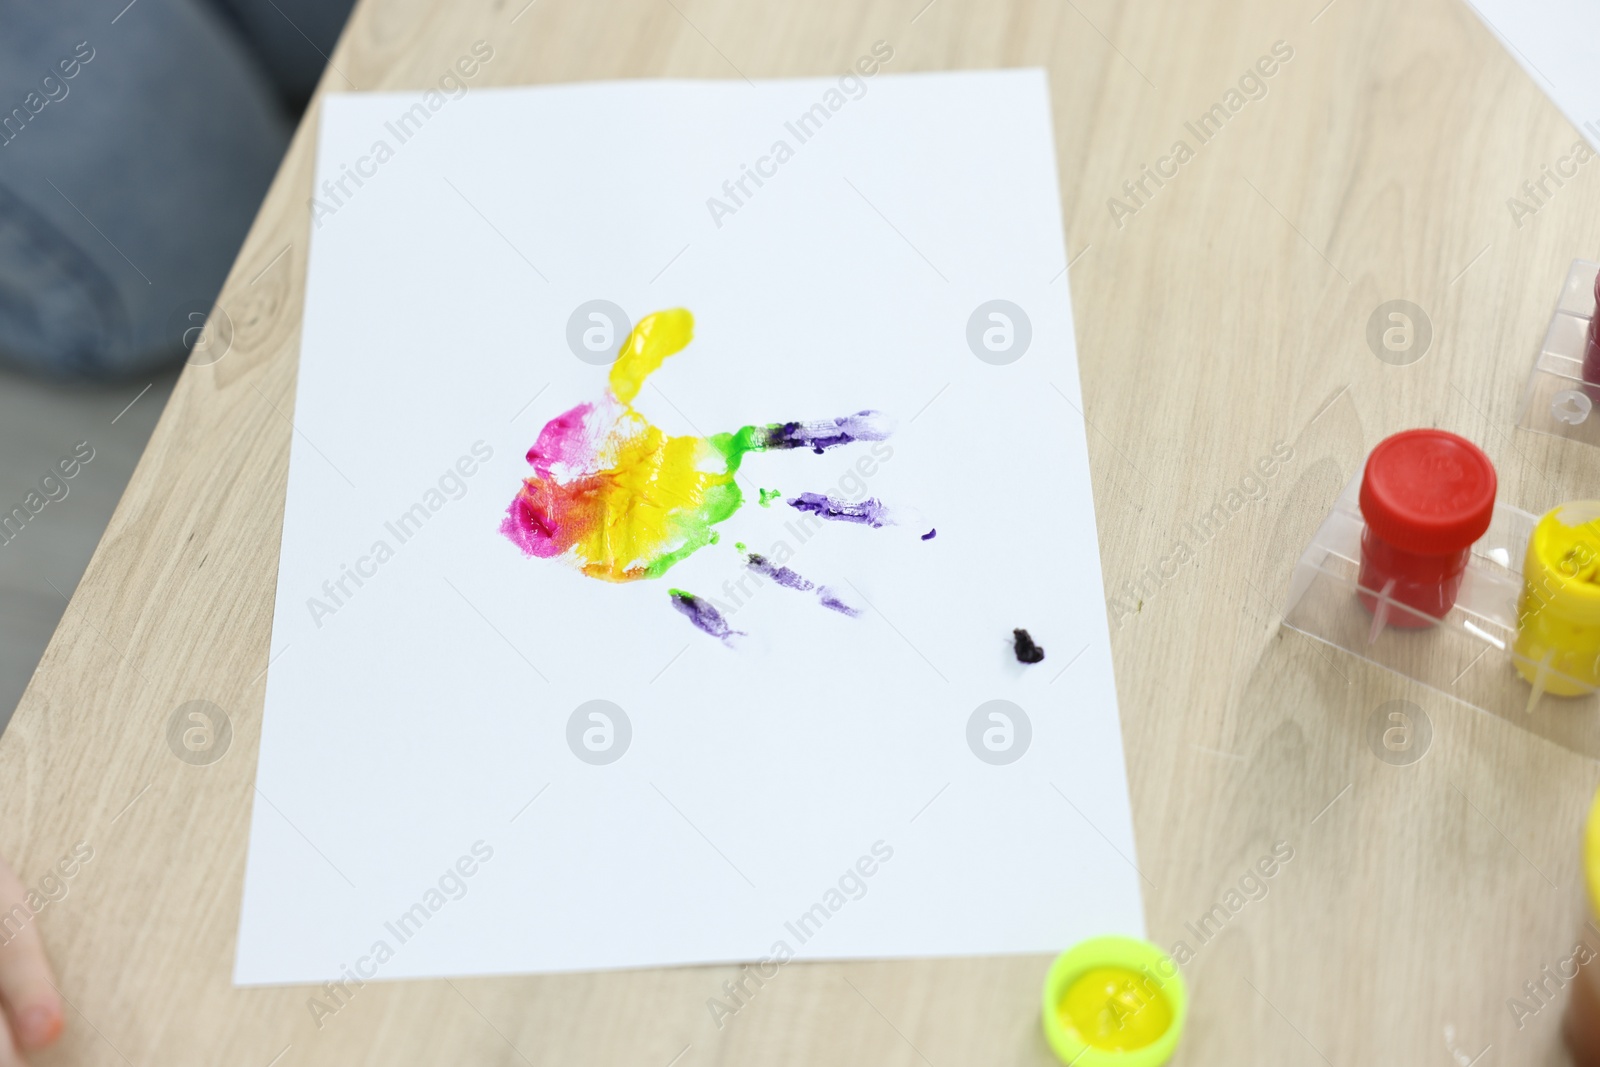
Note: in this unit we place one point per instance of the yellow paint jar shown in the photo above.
(1558, 616)
(1114, 1002)
(1580, 1027)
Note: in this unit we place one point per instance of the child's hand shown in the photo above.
(33, 1016)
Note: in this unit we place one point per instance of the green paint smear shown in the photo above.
(769, 495)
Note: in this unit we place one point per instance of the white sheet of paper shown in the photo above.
(423, 714)
(1558, 43)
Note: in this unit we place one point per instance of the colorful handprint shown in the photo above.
(620, 499)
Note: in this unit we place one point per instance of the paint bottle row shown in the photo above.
(1478, 599)
(1420, 570)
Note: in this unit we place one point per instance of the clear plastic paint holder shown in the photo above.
(1469, 654)
(1559, 400)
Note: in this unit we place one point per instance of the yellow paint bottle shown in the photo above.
(1580, 1027)
(1114, 1002)
(1558, 616)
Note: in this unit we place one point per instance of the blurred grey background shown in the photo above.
(40, 423)
(136, 142)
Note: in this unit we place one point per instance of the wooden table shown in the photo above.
(1224, 315)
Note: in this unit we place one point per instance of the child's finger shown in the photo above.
(27, 986)
(9, 1056)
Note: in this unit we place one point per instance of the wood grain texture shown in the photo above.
(1226, 315)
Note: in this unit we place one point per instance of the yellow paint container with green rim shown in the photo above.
(1114, 1002)
(1580, 1027)
(1558, 615)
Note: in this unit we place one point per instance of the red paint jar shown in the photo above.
(1427, 495)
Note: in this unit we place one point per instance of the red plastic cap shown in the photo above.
(1428, 491)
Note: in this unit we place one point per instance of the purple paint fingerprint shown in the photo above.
(782, 575)
(868, 512)
(930, 534)
(791, 580)
(830, 599)
(705, 617)
(828, 433)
